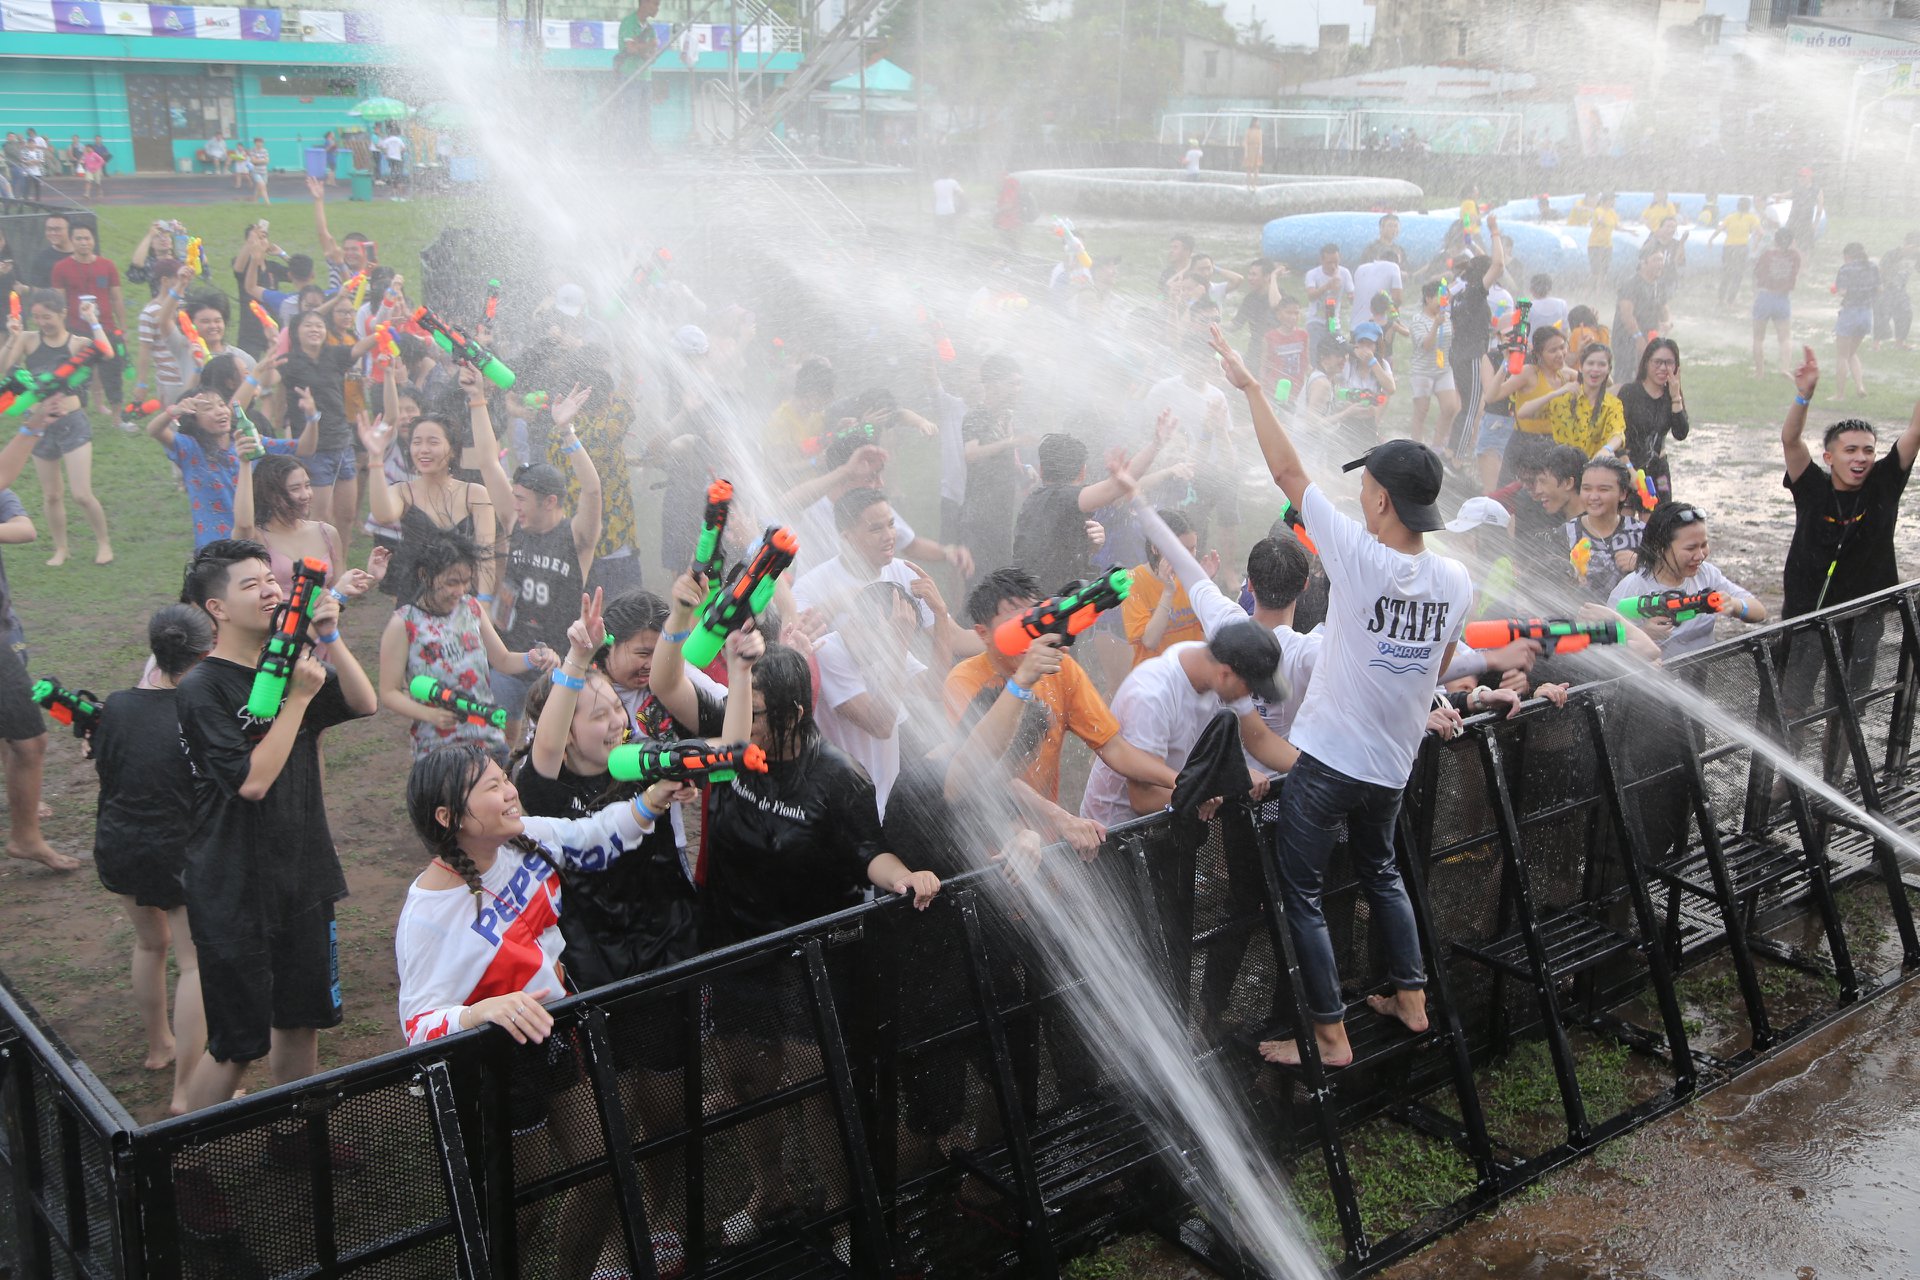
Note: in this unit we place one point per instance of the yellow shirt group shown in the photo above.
(1601, 236)
(1739, 227)
(1659, 213)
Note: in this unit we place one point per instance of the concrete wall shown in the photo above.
(1236, 73)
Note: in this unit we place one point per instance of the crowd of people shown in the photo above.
(907, 713)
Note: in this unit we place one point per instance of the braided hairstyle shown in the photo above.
(443, 779)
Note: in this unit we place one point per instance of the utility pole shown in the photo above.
(1120, 71)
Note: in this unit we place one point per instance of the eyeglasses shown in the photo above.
(1662, 364)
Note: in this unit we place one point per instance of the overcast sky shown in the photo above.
(1297, 22)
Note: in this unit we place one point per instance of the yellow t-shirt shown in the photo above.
(1581, 215)
(1659, 213)
(1138, 609)
(1575, 423)
(789, 426)
(1739, 227)
(1601, 236)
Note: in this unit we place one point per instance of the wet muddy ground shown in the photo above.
(1808, 1166)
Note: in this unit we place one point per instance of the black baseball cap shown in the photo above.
(541, 477)
(1253, 654)
(1411, 474)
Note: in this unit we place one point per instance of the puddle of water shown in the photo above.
(1809, 1167)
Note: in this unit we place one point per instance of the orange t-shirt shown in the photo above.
(1072, 704)
(1139, 606)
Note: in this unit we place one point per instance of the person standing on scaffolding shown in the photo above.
(633, 63)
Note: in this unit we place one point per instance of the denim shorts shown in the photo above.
(1768, 305)
(325, 469)
(1853, 322)
(1495, 432)
(63, 435)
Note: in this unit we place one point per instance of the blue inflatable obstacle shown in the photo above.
(1297, 241)
(1630, 205)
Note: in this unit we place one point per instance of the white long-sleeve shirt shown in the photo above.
(454, 952)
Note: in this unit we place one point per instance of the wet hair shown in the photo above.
(1843, 426)
(1527, 454)
(632, 612)
(1381, 304)
(847, 511)
(1183, 238)
(300, 266)
(533, 704)
(996, 588)
(1277, 570)
(1583, 317)
(52, 299)
(1621, 473)
(179, 635)
(1430, 290)
(1541, 284)
(1329, 247)
(437, 553)
(207, 300)
(1854, 249)
(443, 779)
(272, 475)
(1646, 357)
(206, 575)
(1178, 525)
(998, 368)
(1783, 238)
(787, 681)
(1062, 457)
(223, 375)
(879, 598)
(447, 428)
(814, 377)
(1600, 392)
(1537, 346)
(1663, 526)
(1564, 462)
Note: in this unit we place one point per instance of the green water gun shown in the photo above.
(1676, 606)
(1066, 615)
(430, 692)
(23, 388)
(290, 634)
(691, 760)
(1557, 635)
(748, 590)
(709, 559)
(464, 348)
(78, 709)
(1297, 523)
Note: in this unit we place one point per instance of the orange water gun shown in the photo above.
(1066, 615)
(267, 322)
(1581, 555)
(1557, 634)
(201, 352)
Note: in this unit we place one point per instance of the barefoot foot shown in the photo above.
(103, 556)
(43, 853)
(59, 558)
(1413, 1018)
(45, 811)
(158, 1059)
(1286, 1053)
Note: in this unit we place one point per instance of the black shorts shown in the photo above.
(19, 713)
(291, 982)
(542, 1072)
(771, 1005)
(152, 877)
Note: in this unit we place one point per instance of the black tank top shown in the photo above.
(544, 579)
(46, 358)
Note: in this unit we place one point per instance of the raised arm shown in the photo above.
(1283, 461)
(1805, 380)
(1909, 440)
(487, 446)
(668, 679)
(331, 251)
(586, 519)
(1104, 493)
(550, 733)
(382, 502)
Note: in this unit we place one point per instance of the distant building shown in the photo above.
(1214, 69)
(1557, 36)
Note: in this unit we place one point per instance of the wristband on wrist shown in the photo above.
(25, 432)
(574, 447)
(483, 598)
(678, 637)
(335, 593)
(331, 637)
(1802, 401)
(565, 681)
(640, 809)
(1025, 695)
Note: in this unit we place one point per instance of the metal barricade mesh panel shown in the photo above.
(245, 1205)
(398, 1188)
(1233, 973)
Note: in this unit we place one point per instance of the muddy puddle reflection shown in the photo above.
(1808, 1167)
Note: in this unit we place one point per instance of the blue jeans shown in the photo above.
(1317, 807)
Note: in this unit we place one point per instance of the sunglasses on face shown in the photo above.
(1689, 515)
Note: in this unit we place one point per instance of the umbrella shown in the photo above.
(380, 109)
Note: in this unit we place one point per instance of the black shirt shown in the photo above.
(543, 579)
(1851, 531)
(1050, 537)
(1649, 298)
(41, 276)
(787, 846)
(326, 377)
(1257, 316)
(992, 488)
(1649, 422)
(1472, 318)
(633, 917)
(253, 338)
(146, 788)
(252, 863)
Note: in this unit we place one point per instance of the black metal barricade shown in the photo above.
(889, 1092)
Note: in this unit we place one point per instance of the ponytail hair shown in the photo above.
(179, 635)
(444, 779)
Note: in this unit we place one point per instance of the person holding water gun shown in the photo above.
(1654, 408)
(262, 874)
(1431, 380)
(140, 839)
(1603, 540)
(199, 437)
(1672, 557)
(440, 630)
(65, 445)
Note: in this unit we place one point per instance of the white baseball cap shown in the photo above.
(570, 300)
(1475, 512)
